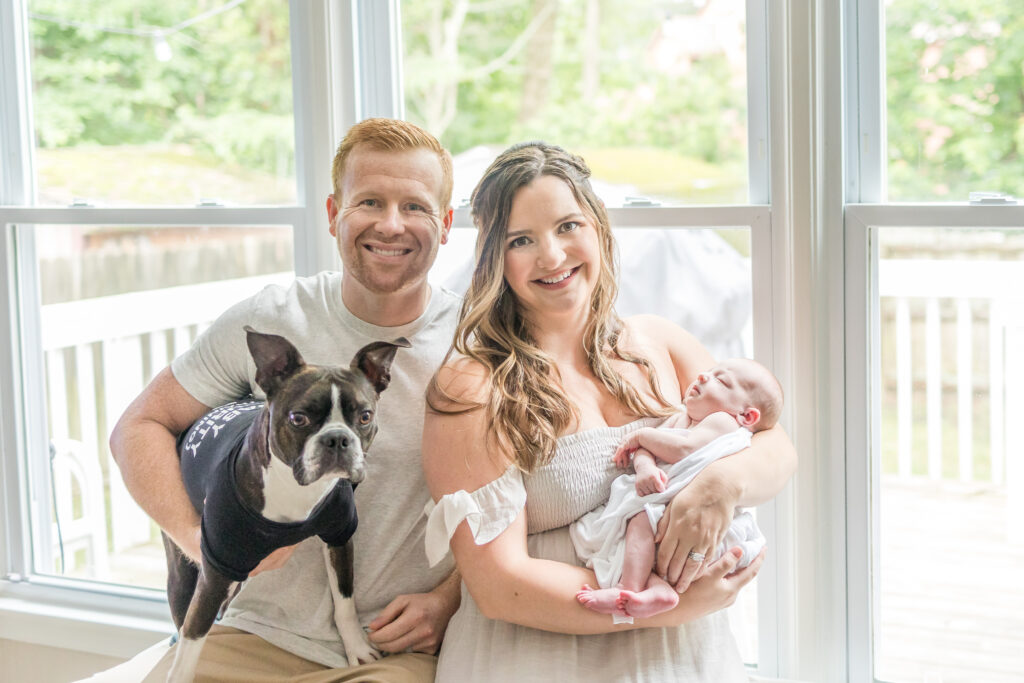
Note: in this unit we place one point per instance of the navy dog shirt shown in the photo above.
(235, 538)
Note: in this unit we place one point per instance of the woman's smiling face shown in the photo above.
(552, 252)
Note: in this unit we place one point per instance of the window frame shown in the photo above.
(330, 40)
(868, 211)
(49, 610)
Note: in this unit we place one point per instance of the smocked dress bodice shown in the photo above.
(577, 479)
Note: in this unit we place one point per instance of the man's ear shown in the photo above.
(332, 213)
(275, 357)
(446, 225)
(749, 417)
(374, 361)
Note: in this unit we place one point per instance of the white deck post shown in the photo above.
(904, 389)
(122, 377)
(933, 373)
(1014, 439)
(964, 388)
(997, 419)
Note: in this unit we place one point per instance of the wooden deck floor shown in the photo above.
(952, 586)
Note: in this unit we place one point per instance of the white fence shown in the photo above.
(100, 353)
(985, 297)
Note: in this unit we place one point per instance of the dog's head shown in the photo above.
(322, 418)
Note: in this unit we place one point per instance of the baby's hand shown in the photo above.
(649, 482)
(623, 456)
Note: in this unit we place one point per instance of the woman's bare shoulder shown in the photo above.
(654, 334)
(460, 380)
(653, 331)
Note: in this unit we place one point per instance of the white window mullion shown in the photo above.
(314, 248)
(865, 103)
(15, 544)
(862, 438)
(16, 177)
(758, 129)
(379, 59)
(35, 440)
(16, 186)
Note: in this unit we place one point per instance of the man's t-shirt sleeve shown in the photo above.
(215, 370)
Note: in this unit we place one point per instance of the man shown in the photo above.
(389, 212)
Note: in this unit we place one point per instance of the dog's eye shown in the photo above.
(298, 419)
(365, 417)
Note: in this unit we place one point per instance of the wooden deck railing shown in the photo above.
(99, 354)
(976, 299)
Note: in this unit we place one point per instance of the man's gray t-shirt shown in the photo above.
(292, 607)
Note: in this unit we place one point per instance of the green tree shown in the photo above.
(224, 91)
(955, 91)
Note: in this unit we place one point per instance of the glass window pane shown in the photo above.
(159, 103)
(652, 94)
(953, 85)
(117, 305)
(952, 490)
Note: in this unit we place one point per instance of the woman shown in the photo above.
(542, 384)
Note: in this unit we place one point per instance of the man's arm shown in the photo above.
(417, 622)
(143, 446)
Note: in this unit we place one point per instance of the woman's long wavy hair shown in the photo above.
(525, 403)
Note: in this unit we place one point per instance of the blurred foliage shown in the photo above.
(590, 75)
(225, 91)
(604, 91)
(955, 90)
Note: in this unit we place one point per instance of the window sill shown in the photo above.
(115, 626)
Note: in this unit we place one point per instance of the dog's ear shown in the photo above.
(374, 361)
(276, 359)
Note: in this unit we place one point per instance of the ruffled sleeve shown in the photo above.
(489, 511)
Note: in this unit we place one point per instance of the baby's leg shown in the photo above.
(636, 570)
(644, 592)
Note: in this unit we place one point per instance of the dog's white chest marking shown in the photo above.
(284, 499)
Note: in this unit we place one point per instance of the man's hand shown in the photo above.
(413, 622)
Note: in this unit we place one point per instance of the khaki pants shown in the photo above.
(230, 655)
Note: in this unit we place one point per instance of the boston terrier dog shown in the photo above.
(268, 475)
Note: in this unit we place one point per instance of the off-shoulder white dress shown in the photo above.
(576, 481)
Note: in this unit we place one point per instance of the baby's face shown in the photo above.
(722, 388)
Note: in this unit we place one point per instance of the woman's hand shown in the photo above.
(721, 583)
(694, 523)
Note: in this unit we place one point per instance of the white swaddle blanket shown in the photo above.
(600, 535)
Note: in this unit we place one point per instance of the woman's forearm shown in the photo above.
(541, 594)
(758, 473)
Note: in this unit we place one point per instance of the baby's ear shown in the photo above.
(749, 417)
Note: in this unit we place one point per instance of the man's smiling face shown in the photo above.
(387, 218)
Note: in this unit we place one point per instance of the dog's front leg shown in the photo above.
(339, 574)
(211, 590)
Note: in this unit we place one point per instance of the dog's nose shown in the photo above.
(335, 439)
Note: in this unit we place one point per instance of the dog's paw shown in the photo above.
(359, 650)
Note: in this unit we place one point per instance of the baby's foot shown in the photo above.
(648, 602)
(601, 600)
